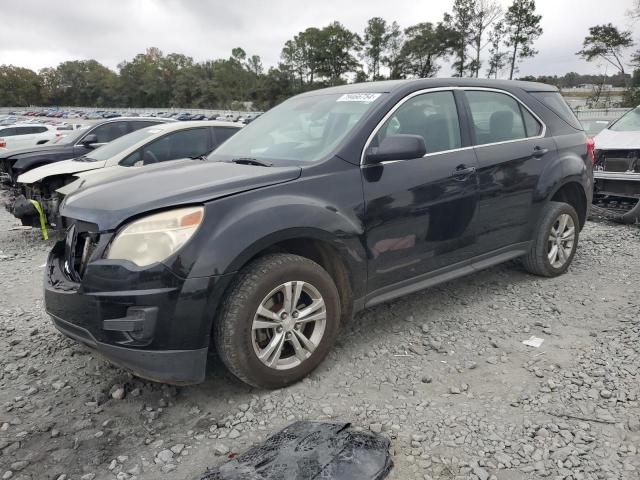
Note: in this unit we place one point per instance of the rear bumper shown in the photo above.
(147, 320)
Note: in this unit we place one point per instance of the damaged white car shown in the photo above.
(617, 169)
(42, 188)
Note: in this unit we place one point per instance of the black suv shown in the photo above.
(13, 163)
(334, 201)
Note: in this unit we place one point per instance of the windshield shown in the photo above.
(593, 127)
(629, 122)
(72, 137)
(120, 144)
(304, 128)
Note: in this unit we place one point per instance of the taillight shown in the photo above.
(3, 143)
(591, 145)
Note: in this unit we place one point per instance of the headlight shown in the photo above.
(152, 239)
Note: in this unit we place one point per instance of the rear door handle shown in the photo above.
(462, 171)
(539, 151)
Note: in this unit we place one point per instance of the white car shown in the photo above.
(147, 146)
(617, 169)
(22, 135)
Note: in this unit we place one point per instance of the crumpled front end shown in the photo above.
(148, 320)
(617, 183)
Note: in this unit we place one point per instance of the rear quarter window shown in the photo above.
(554, 102)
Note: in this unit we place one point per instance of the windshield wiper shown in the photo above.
(199, 157)
(251, 161)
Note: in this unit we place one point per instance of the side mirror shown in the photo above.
(397, 147)
(89, 139)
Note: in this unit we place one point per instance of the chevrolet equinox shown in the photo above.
(334, 201)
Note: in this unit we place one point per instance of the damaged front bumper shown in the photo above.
(146, 320)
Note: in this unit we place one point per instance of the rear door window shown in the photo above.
(182, 144)
(531, 125)
(23, 131)
(7, 132)
(110, 131)
(496, 117)
(554, 102)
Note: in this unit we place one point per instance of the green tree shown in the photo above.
(607, 43)
(393, 56)
(303, 55)
(424, 46)
(19, 87)
(486, 13)
(376, 40)
(338, 48)
(462, 25)
(522, 27)
(497, 57)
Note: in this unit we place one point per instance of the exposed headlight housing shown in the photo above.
(154, 238)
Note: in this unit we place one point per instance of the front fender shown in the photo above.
(240, 234)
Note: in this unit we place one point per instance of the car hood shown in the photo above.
(110, 201)
(59, 168)
(35, 150)
(612, 140)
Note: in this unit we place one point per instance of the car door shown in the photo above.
(419, 214)
(6, 137)
(24, 137)
(104, 134)
(511, 150)
(193, 142)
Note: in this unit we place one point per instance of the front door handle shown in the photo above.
(539, 151)
(462, 171)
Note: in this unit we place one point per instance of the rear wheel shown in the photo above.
(555, 241)
(278, 322)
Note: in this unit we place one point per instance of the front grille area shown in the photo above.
(5, 169)
(79, 248)
(620, 161)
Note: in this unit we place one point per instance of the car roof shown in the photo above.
(153, 119)
(171, 126)
(393, 86)
(48, 125)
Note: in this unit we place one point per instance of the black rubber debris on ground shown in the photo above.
(311, 450)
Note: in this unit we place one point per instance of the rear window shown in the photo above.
(555, 102)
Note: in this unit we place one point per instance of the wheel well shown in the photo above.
(325, 255)
(573, 194)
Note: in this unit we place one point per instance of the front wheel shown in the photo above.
(278, 321)
(555, 241)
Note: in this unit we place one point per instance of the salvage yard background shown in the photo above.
(442, 373)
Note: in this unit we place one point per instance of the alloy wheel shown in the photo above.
(289, 325)
(561, 240)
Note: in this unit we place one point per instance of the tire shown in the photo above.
(538, 260)
(264, 283)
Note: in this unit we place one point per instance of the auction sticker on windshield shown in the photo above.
(358, 97)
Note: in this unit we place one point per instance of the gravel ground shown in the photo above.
(442, 373)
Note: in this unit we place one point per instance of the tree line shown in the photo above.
(477, 38)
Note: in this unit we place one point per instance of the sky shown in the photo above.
(42, 33)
